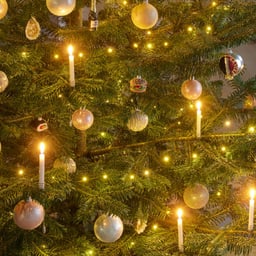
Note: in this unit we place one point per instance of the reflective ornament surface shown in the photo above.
(191, 89)
(108, 229)
(144, 16)
(66, 163)
(82, 119)
(61, 7)
(33, 29)
(28, 214)
(3, 8)
(138, 121)
(196, 196)
(138, 84)
(3, 81)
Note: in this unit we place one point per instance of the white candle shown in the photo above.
(251, 211)
(41, 166)
(198, 119)
(180, 231)
(71, 66)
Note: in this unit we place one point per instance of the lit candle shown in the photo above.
(251, 210)
(71, 66)
(41, 165)
(180, 231)
(198, 119)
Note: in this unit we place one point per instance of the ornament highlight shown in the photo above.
(66, 163)
(138, 121)
(138, 84)
(61, 7)
(28, 214)
(82, 119)
(231, 65)
(196, 196)
(191, 89)
(33, 29)
(144, 16)
(108, 229)
(3, 81)
(3, 8)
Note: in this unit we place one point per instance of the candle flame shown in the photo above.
(198, 104)
(70, 49)
(179, 213)
(252, 193)
(42, 147)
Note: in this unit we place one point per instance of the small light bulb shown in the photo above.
(208, 29)
(214, 3)
(103, 134)
(166, 44)
(218, 193)
(80, 55)
(20, 172)
(166, 159)
(132, 177)
(155, 226)
(149, 32)
(146, 172)
(84, 179)
(24, 54)
(223, 148)
(227, 123)
(135, 45)
(194, 155)
(56, 56)
(105, 176)
(110, 50)
(190, 29)
(125, 2)
(251, 129)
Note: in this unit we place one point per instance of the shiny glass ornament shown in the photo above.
(196, 196)
(3, 8)
(3, 81)
(66, 163)
(108, 229)
(144, 16)
(33, 29)
(61, 7)
(28, 214)
(82, 119)
(138, 84)
(138, 121)
(191, 89)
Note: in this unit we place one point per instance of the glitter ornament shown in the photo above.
(144, 16)
(196, 196)
(28, 214)
(61, 7)
(108, 229)
(82, 119)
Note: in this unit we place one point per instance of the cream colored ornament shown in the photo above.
(144, 16)
(61, 7)
(140, 226)
(33, 29)
(66, 163)
(3, 8)
(138, 121)
(3, 81)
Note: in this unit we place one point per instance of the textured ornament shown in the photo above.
(144, 16)
(108, 229)
(33, 29)
(28, 214)
(82, 119)
(3, 81)
(138, 121)
(66, 163)
(138, 84)
(196, 196)
(61, 7)
(3, 8)
(250, 102)
(191, 89)
(231, 65)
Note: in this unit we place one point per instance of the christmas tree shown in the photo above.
(116, 138)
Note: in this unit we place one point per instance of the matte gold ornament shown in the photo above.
(82, 119)
(144, 16)
(138, 121)
(66, 163)
(108, 229)
(191, 89)
(61, 7)
(3, 8)
(196, 196)
(28, 214)
(33, 29)
(3, 81)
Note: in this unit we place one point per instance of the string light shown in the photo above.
(208, 29)
(218, 193)
(84, 179)
(251, 129)
(194, 155)
(214, 3)
(80, 55)
(132, 177)
(105, 176)
(56, 56)
(110, 50)
(223, 149)
(227, 123)
(155, 227)
(166, 44)
(190, 29)
(149, 45)
(24, 54)
(20, 172)
(149, 32)
(103, 134)
(147, 172)
(135, 45)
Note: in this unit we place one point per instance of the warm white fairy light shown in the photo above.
(132, 176)
(194, 155)
(103, 134)
(24, 54)
(135, 45)
(80, 55)
(166, 44)
(56, 56)
(149, 45)
(223, 148)
(84, 179)
(227, 123)
(251, 129)
(155, 227)
(146, 172)
(149, 32)
(166, 158)
(208, 29)
(218, 193)
(214, 3)
(20, 172)
(105, 176)
(190, 29)
(110, 50)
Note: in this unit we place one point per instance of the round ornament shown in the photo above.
(82, 119)
(144, 16)
(66, 163)
(61, 7)
(108, 229)
(3, 8)
(138, 84)
(191, 89)
(231, 65)
(250, 102)
(39, 124)
(138, 121)
(3, 81)
(33, 29)
(196, 196)
(28, 214)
